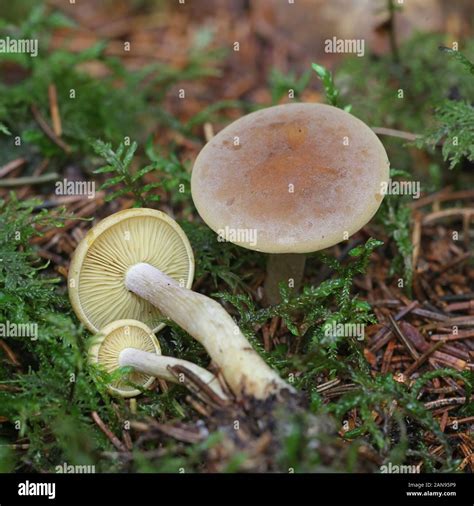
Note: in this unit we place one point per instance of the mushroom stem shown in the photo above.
(207, 321)
(283, 267)
(160, 366)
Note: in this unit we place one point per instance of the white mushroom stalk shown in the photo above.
(166, 368)
(207, 321)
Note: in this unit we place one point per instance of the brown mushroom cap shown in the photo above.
(301, 177)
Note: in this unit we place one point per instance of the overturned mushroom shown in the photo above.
(138, 264)
(289, 180)
(132, 343)
(97, 272)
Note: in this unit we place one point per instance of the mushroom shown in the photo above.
(138, 264)
(97, 272)
(132, 343)
(289, 180)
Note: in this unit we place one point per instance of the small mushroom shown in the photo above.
(132, 343)
(138, 264)
(289, 180)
